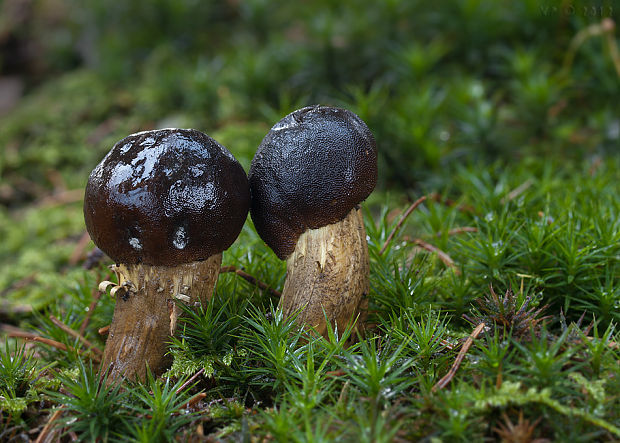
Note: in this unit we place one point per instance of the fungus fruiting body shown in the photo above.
(163, 205)
(307, 179)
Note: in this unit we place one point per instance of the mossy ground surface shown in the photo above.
(505, 118)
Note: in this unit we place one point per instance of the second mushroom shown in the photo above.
(307, 179)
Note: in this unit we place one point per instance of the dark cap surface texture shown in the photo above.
(310, 170)
(166, 197)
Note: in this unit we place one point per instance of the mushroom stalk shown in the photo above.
(327, 275)
(147, 312)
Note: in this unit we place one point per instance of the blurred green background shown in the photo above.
(442, 85)
(438, 83)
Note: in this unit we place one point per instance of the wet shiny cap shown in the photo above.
(311, 169)
(166, 197)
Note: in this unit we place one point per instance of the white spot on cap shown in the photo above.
(180, 238)
(285, 123)
(196, 171)
(135, 243)
(148, 141)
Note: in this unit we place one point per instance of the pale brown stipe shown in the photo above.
(327, 274)
(147, 311)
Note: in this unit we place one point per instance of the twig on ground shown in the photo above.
(191, 379)
(459, 230)
(21, 283)
(43, 436)
(9, 329)
(14, 332)
(343, 393)
(451, 203)
(606, 29)
(10, 311)
(76, 334)
(609, 26)
(253, 280)
(459, 358)
(47, 341)
(22, 185)
(78, 251)
(597, 162)
(61, 198)
(444, 257)
(195, 399)
(517, 191)
(446, 344)
(500, 378)
(407, 213)
(339, 373)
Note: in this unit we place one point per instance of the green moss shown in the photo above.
(184, 365)
(13, 406)
(469, 102)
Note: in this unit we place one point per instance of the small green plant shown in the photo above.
(496, 355)
(378, 370)
(455, 420)
(599, 347)
(17, 370)
(273, 344)
(309, 386)
(159, 406)
(278, 420)
(212, 329)
(546, 358)
(94, 409)
(424, 338)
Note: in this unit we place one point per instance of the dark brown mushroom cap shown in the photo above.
(166, 197)
(310, 170)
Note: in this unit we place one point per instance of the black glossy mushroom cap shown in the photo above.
(310, 170)
(166, 197)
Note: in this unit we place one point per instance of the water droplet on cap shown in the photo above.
(180, 238)
(135, 243)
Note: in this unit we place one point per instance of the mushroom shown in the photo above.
(307, 179)
(163, 205)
